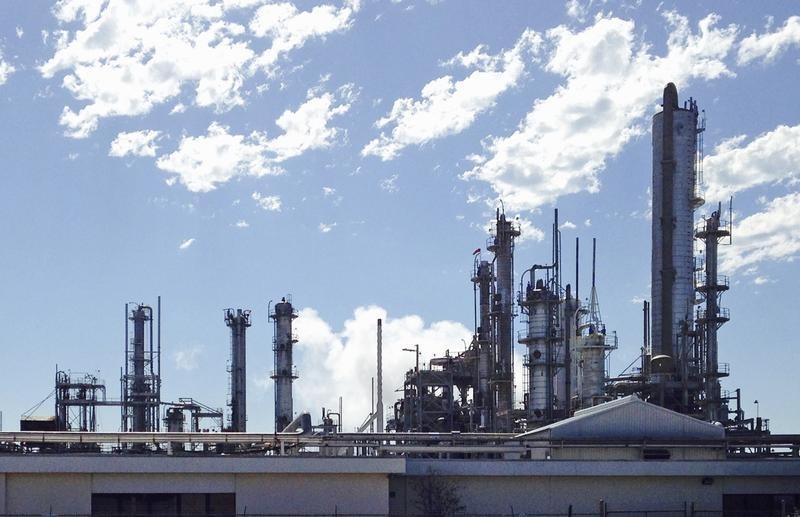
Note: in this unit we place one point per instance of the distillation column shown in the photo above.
(542, 340)
(483, 279)
(503, 249)
(711, 230)
(674, 200)
(141, 381)
(284, 373)
(238, 320)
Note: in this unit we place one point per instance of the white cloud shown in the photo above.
(612, 83)
(771, 157)
(446, 106)
(326, 227)
(567, 225)
(187, 359)
(290, 29)
(770, 235)
(20, 32)
(6, 69)
(769, 46)
(307, 128)
(135, 143)
(268, 203)
(343, 361)
(185, 244)
(577, 9)
(390, 184)
(241, 223)
(761, 280)
(125, 58)
(202, 162)
(328, 191)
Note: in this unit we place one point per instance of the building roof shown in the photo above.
(628, 418)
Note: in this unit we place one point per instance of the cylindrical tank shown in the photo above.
(592, 372)
(540, 354)
(674, 200)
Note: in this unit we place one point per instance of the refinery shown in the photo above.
(453, 439)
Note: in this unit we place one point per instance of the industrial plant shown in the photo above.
(662, 435)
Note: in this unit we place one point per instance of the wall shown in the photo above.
(46, 493)
(312, 493)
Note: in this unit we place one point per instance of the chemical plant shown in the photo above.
(456, 427)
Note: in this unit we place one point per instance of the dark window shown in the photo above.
(655, 454)
(205, 505)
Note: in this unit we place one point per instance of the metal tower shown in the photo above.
(675, 197)
(503, 310)
(141, 382)
(285, 372)
(483, 280)
(547, 358)
(77, 398)
(238, 320)
(711, 286)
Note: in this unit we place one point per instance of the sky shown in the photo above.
(351, 154)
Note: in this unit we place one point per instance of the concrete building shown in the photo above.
(626, 455)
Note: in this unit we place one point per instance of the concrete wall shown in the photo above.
(556, 494)
(312, 493)
(255, 493)
(45, 493)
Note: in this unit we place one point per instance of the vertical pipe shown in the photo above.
(158, 378)
(379, 409)
(577, 269)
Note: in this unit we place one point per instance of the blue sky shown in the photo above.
(224, 153)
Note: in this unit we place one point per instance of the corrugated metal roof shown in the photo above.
(628, 418)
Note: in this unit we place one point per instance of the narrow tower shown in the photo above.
(142, 378)
(238, 320)
(483, 278)
(503, 248)
(284, 373)
(674, 200)
(711, 286)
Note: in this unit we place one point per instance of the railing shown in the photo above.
(723, 314)
(285, 372)
(722, 281)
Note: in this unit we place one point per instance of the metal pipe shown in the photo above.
(379, 409)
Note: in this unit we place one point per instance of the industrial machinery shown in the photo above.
(284, 372)
(238, 321)
(566, 343)
(141, 382)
